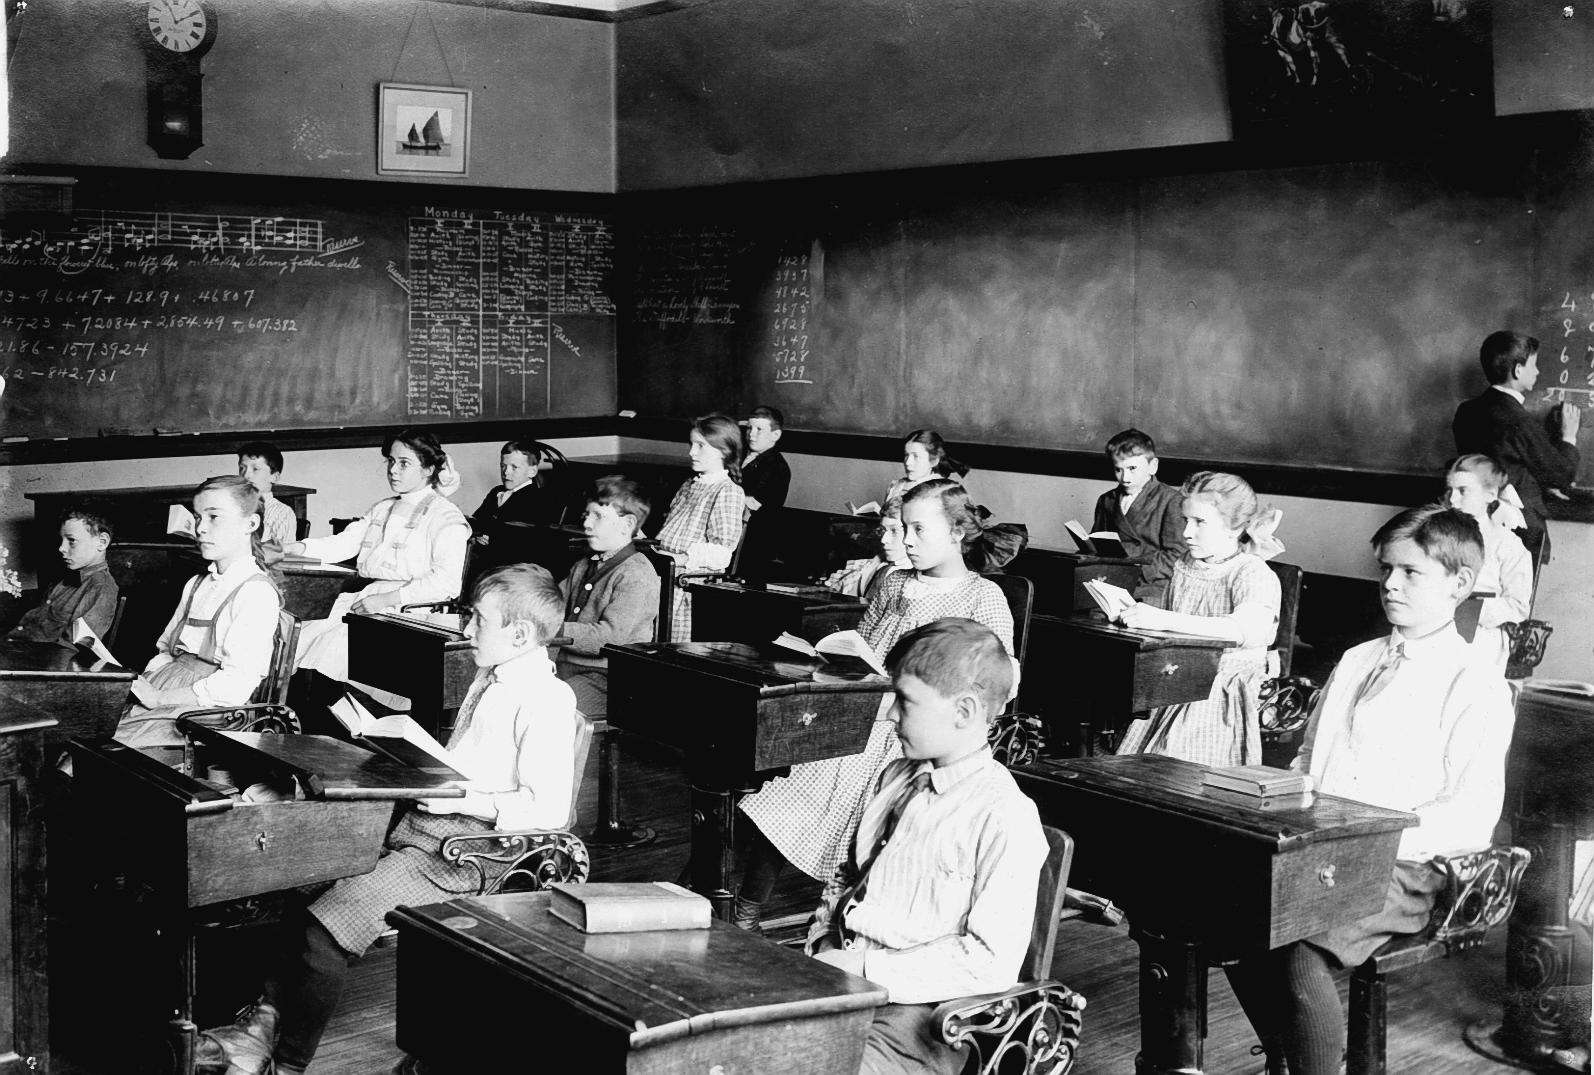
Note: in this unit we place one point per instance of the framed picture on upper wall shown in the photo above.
(422, 130)
(1349, 71)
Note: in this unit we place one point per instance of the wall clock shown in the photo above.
(175, 34)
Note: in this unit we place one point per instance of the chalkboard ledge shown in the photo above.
(84, 449)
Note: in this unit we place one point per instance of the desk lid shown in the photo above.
(1169, 785)
(805, 595)
(328, 768)
(1092, 623)
(46, 660)
(773, 669)
(444, 625)
(655, 986)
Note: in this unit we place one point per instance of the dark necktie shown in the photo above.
(1381, 676)
(467, 708)
(909, 792)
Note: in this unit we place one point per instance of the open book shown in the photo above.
(871, 508)
(840, 643)
(1100, 543)
(1574, 687)
(179, 520)
(1112, 600)
(395, 736)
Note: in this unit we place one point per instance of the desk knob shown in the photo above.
(261, 839)
(1169, 669)
(807, 719)
(1325, 876)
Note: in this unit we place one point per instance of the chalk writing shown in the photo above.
(688, 276)
(790, 310)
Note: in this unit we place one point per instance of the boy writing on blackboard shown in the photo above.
(1147, 516)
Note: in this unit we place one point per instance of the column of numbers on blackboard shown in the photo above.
(1570, 378)
(484, 295)
(790, 311)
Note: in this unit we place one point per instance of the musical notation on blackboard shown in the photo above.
(107, 231)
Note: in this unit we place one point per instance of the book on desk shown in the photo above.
(622, 907)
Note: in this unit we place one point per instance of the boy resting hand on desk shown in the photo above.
(938, 897)
(514, 741)
(1413, 721)
(611, 596)
(87, 589)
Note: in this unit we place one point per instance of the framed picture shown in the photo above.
(422, 130)
(1354, 71)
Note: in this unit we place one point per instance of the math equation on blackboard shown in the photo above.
(791, 310)
(1569, 378)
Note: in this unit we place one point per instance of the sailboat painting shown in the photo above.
(422, 129)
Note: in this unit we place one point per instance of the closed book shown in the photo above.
(629, 907)
(1300, 800)
(1257, 780)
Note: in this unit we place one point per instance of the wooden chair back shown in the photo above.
(1534, 543)
(301, 529)
(1020, 594)
(273, 689)
(583, 748)
(116, 623)
(1289, 576)
(664, 565)
(1048, 905)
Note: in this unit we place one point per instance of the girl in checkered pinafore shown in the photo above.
(705, 521)
(808, 818)
(1221, 589)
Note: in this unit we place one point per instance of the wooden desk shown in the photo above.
(180, 845)
(725, 611)
(429, 663)
(64, 685)
(309, 589)
(714, 1000)
(1060, 578)
(741, 714)
(1104, 674)
(555, 547)
(136, 514)
(1205, 881)
(24, 957)
(1550, 796)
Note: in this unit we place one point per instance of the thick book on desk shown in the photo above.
(617, 907)
(1257, 780)
(1299, 800)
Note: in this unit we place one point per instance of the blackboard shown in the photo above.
(1323, 315)
(164, 305)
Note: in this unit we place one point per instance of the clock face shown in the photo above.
(179, 25)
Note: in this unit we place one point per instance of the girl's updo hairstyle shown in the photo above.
(1490, 473)
(935, 448)
(425, 447)
(724, 435)
(1231, 494)
(953, 500)
(249, 501)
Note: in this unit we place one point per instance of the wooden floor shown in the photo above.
(1429, 1007)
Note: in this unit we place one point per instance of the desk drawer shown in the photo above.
(271, 846)
(811, 727)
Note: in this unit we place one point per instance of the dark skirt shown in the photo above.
(1408, 903)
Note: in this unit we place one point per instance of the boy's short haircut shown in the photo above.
(95, 521)
(954, 655)
(526, 448)
(1487, 469)
(525, 592)
(1501, 352)
(776, 419)
(1446, 535)
(1131, 442)
(263, 450)
(623, 495)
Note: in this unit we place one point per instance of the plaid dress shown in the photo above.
(1222, 729)
(810, 816)
(701, 513)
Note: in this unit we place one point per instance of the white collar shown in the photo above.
(713, 477)
(1435, 643)
(532, 662)
(415, 496)
(245, 565)
(1512, 392)
(522, 485)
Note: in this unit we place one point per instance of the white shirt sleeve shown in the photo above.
(447, 539)
(335, 548)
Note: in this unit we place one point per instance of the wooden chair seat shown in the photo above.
(1480, 891)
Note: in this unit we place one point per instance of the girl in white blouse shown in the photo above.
(410, 546)
(217, 647)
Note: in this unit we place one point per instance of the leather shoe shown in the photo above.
(244, 1048)
(748, 915)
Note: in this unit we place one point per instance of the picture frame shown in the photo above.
(422, 130)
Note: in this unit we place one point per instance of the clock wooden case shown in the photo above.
(175, 35)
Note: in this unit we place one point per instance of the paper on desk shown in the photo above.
(84, 637)
(146, 693)
(179, 520)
